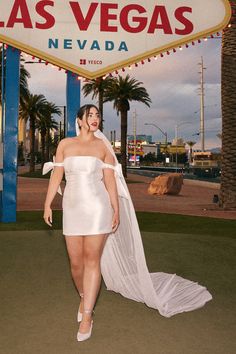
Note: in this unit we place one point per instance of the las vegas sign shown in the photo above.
(93, 38)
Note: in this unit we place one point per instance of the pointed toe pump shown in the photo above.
(84, 336)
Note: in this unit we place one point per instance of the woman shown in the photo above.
(90, 208)
(123, 264)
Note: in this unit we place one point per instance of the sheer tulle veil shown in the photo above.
(124, 268)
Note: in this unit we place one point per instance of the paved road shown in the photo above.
(195, 197)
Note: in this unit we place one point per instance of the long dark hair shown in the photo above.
(85, 110)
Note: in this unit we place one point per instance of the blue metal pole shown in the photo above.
(73, 102)
(10, 135)
(3, 83)
(2, 123)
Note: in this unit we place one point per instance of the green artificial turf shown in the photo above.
(39, 303)
(153, 222)
(185, 224)
(33, 220)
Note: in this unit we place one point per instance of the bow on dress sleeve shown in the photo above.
(120, 181)
(49, 166)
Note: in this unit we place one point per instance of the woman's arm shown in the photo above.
(54, 183)
(110, 184)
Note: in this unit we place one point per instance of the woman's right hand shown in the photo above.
(115, 221)
(48, 215)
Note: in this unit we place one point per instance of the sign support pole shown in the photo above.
(10, 135)
(2, 107)
(73, 87)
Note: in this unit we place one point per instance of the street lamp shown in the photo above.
(176, 141)
(208, 130)
(164, 133)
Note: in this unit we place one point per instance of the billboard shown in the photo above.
(93, 38)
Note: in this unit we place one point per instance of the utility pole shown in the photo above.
(111, 136)
(135, 132)
(202, 116)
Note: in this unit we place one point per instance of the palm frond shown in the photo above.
(125, 90)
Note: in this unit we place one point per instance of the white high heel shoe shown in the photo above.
(80, 314)
(84, 336)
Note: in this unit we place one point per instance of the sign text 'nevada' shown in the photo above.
(93, 38)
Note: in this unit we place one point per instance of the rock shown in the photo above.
(169, 183)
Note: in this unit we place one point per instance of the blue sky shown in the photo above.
(173, 85)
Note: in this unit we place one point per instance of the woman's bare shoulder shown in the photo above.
(100, 144)
(64, 142)
(108, 157)
(99, 141)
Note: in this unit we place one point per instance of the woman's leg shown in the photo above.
(93, 248)
(74, 246)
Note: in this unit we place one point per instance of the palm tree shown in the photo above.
(45, 124)
(191, 145)
(50, 110)
(32, 108)
(228, 176)
(97, 88)
(24, 90)
(122, 91)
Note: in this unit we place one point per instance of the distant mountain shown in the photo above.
(216, 150)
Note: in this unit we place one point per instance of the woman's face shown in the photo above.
(93, 120)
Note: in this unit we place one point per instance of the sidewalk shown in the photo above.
(195, 197)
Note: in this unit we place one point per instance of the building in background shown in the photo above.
(141, 137)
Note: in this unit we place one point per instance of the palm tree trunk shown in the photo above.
(43, 144)
(190, 154)
(228, 176)
(48, 145)
(32, 144)
(100, 102)
(100, 107)
(123, 116)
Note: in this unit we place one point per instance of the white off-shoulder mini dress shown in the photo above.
(86, 204)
